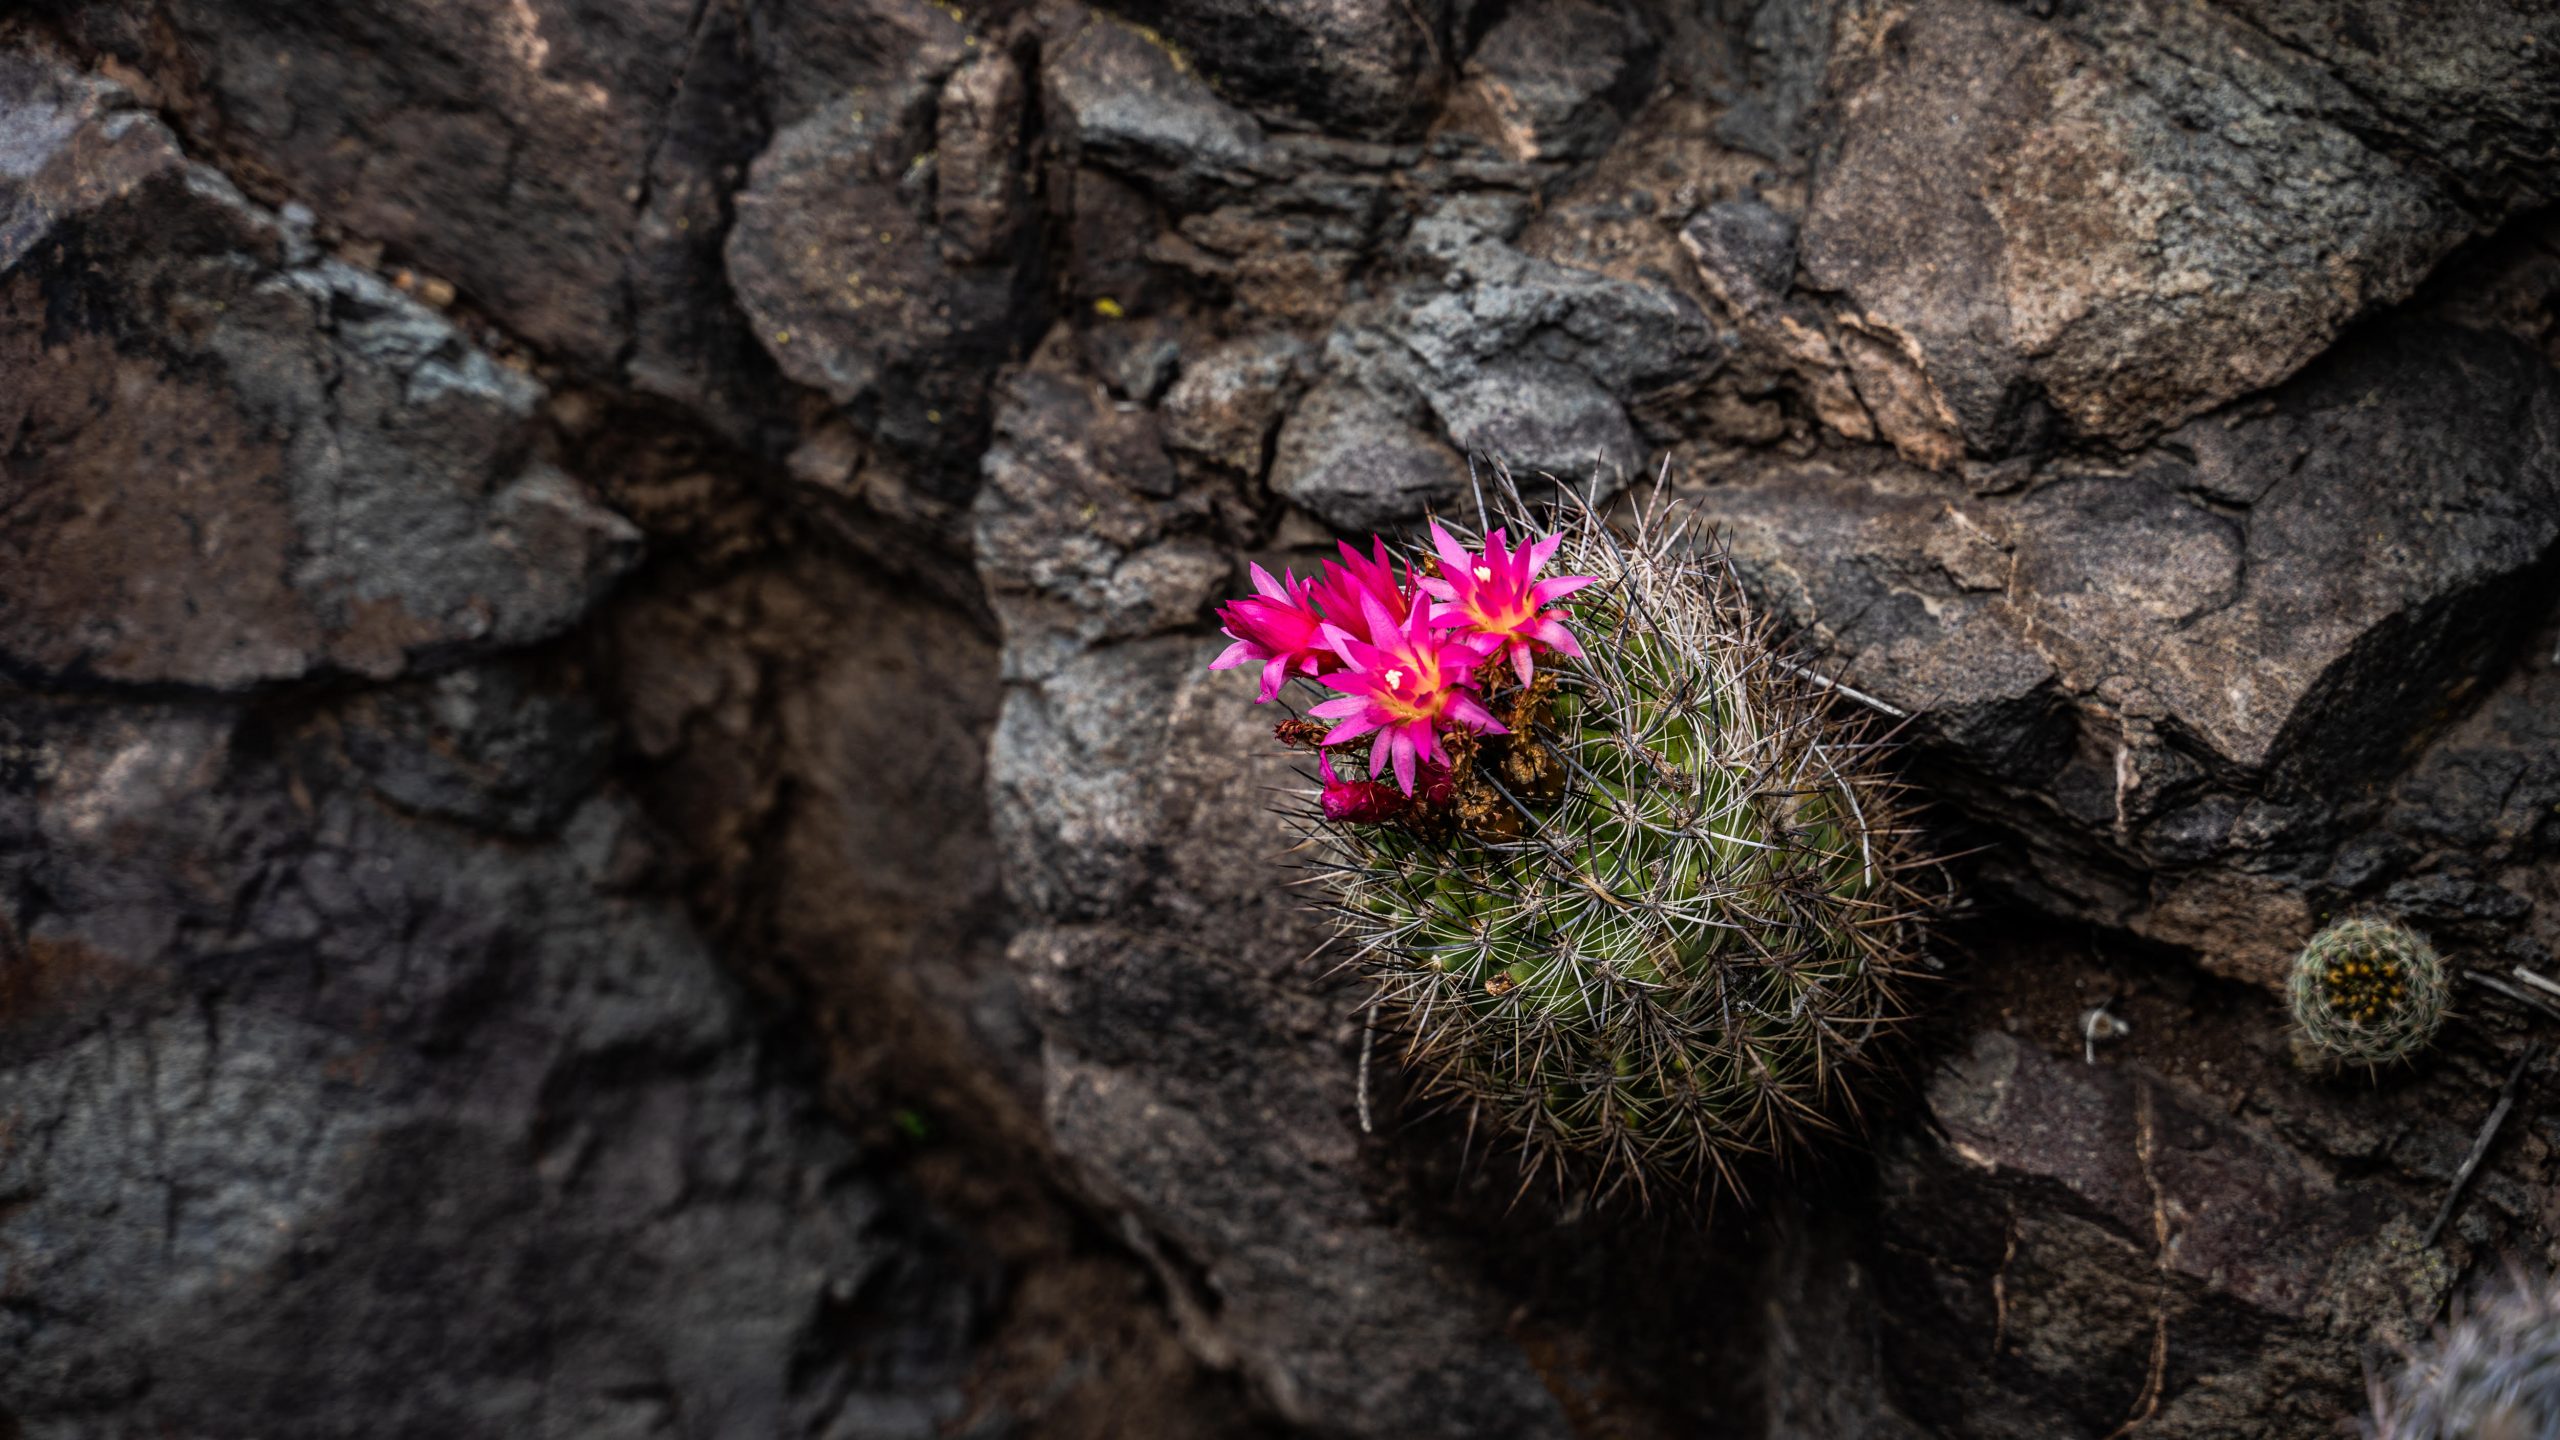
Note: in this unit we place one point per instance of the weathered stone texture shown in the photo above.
(2155, 404)
(539, 155)
(2130, 217)
(232, 461)
(2199, 662)
(302, 1091)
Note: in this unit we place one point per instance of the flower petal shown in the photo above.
(1464, 709)
(1349, 730)
(1453, 556)
(1381, 624)
(1554, 636)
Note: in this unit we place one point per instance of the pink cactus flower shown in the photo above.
(1356, 802)
(1499, 596)
(1403, 688)
(1339, 593)
(1279, 628)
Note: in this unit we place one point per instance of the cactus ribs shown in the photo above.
(1643, 900)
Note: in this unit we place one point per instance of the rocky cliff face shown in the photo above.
(612, 821)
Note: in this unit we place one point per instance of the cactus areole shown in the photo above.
(1637, 896)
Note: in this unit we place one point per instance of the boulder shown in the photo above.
(2129, 219)
(1358, 464)
(840, 259)
(236, 462)
(561, 171)
(2205, 660)
(355, 1122)
(1560, 75)
(1227, 404)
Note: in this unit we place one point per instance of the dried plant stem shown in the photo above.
(2480, 1147)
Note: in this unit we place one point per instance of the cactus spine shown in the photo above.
(1662, 925)
(2367, 992)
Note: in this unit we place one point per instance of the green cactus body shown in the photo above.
(2367, 992)
(1672, 917)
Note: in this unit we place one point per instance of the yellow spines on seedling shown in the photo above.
(2366, 992)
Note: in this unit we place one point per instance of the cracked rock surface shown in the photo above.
(612, 821)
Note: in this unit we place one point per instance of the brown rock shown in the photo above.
(1370, 68)
(2109, 220)
(1227, 402)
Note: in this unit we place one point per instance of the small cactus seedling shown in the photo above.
(2493, 1374)
(2367, 992)
(1649, 910)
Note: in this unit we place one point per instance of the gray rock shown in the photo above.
(510, 747)
(1358, 464)
(1746, 251)
(1132, 105)
(239, 468)
(1542, 419)
(1078, 532)
(1775, 78)
(1122, 783)
(1490, 301)
(891, 53)
(838, 262)
(426, 1135)
(978, 160)
(1520, 358)
(1180, 1086)
(2172, 1263)
(1137, 356)
(537, 160)
(1559, 75)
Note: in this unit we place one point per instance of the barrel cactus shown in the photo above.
(2493, 1374)
(2367, 992)
(1653, 920)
